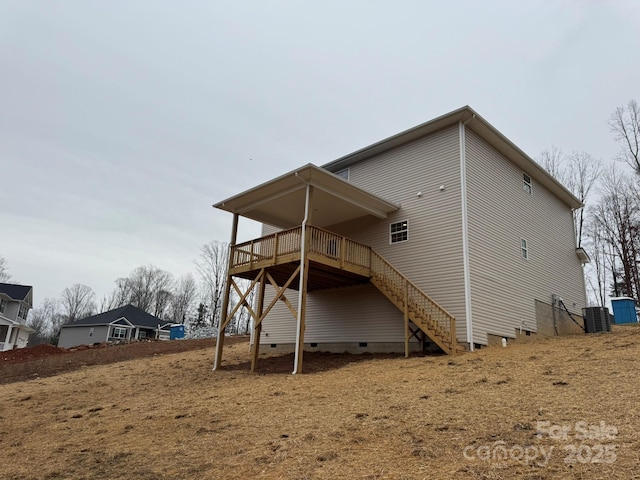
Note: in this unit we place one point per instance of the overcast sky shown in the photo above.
(122, 122)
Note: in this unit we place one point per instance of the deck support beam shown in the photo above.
(257, 328)
(225, 299)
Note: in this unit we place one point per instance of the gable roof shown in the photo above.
(15, 292)
(133, 315)
(483, 129)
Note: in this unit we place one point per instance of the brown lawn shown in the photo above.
(355, 417)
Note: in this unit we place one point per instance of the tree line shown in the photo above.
(193, 302)
(608, 226)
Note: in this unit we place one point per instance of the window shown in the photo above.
(24, 311)
(119, 332)
(3, 304)
(344, 173)
(524, 248)
(91, 332)
(399, 231)
(526, 183)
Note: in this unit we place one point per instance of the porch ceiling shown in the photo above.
(280, 202)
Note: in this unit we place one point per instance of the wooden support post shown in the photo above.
(454, 340)
(302, 310)
(275, 248)
(257, 328)
(406, 317)
(225, 299)
(304, 276)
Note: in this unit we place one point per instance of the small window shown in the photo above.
(399, 231)
(524, 248)
(344, 174)
(526, 183)
(24, 311)
(3, 304)
(91, 332)
(119, 332)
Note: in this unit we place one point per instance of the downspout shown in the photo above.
(303, 258)
(465, 233)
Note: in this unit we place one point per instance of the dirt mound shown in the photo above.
(46, 360)
(30, 353)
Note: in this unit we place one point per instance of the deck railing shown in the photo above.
(337, 247)
(271, 248)
(424, 308)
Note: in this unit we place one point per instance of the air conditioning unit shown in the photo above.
(596, 319)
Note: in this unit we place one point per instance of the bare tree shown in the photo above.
(78, 301)
(597, 270)
(183, 297)
(579, 173)
(4, 270)
(148, 288)
(212, 267)
(617, 216)
(553, 161)
(117, 297)
(142, 288)
(47, 320)
(40, 325)
(625, 125)
(583, 172)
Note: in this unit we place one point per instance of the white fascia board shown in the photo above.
(117, 320)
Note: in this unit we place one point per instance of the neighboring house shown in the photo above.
(120, 325)
(15, 303)
(445, 235)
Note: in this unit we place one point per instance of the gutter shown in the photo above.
(303, 255)
(465, 232)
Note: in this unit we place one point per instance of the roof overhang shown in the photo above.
(481, 127)
(281, 202)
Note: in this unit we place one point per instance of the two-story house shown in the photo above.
(15, 303)
(446, 235)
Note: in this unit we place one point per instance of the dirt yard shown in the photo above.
(562, 408)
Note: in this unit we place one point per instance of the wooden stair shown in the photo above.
(424, 312)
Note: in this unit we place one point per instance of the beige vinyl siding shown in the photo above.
(82, 335)
(431, 258)
(354, 314)
(504, 286)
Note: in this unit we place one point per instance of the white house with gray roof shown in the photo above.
(15, 303)
(119, 325)
(456, 228)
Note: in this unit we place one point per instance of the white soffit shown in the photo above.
(280, 202)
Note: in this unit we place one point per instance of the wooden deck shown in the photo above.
(335, 262)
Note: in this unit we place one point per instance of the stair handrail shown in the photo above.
(376, 271)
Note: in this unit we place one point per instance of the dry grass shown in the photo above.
(367, 417)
